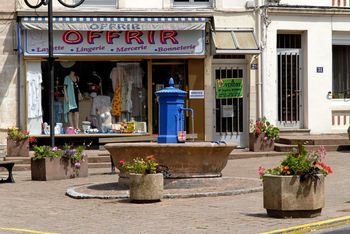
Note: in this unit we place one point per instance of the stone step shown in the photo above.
(99, 159)
(26, 167)
(338, 139)
(99, 165)
(26, 160)
(23, 163)
(239, 154)
(287, 148)
(21, 167)
(18, 160)
(294, 132)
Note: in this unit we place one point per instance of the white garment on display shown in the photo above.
(35, 125)
(34, 80)
(101, 107)
(128, 75)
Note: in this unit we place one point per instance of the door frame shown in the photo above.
(241, 139)
(300, 91)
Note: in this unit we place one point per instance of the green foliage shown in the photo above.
(76, 155)
(265, 127)
(139, 165)
(17, 134)
(46, 152)
(149, 165)
(297, 164)
(301, 162)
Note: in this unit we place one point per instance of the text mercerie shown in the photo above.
(140, 37)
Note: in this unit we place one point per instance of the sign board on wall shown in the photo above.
(227, 111)
(196, 94)
(75, 43)
(229, 88)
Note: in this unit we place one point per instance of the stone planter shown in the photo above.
(17, 148)
(57, 169)
(287, 197)
(146, 188)
(257, 144)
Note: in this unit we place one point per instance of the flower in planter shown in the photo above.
(265, 127)
(301, 162)
(75, 155)
(149, 165)
(17, 134)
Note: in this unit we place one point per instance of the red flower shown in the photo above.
(150, 158)
(258, 130)
(261, 170)
(121, 162)
(32, 139)
(329, 169)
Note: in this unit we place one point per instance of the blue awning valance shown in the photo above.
(115, 23)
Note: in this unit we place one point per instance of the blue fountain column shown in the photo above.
(171, 119)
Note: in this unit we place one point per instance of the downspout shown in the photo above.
(18, 75)
(265, 21)
(259, 78)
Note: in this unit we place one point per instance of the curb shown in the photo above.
(77, 195)
(329, 223)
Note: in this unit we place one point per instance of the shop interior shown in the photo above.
(97, 97)
(102, 97)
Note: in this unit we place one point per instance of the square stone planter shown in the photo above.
(146, 188)
(17, 148)
(288, 197)
(258, 144)
(57, 169)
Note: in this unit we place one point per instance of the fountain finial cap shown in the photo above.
(171, 82)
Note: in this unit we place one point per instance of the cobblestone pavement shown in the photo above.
(43, 206)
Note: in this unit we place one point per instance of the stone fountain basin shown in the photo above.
(185, 160)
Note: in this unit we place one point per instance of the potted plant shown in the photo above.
(54, 163)
(18, 142)
(295, 188)
(146, 181)
(263, 135)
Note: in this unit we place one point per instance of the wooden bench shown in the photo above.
(9, 166)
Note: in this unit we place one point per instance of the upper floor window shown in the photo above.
(193, 3)
(97, 3)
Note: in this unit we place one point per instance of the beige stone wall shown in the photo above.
(8, 69)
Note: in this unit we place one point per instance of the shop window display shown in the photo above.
(97, 97)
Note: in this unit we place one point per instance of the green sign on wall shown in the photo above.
(229, 88)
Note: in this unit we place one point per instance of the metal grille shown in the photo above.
(289, 87)
(229, 125)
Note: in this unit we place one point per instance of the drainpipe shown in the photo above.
(260, 73)
(18, 76)
(264, 23)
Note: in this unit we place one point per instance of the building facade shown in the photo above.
(238, 61)
(123, 51)
(8, 68)
(305, 73)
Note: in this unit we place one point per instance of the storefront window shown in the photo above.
(341, 71)
(98, 97)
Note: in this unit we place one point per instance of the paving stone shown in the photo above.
(43, 206)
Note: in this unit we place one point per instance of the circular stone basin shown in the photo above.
(186, 160)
